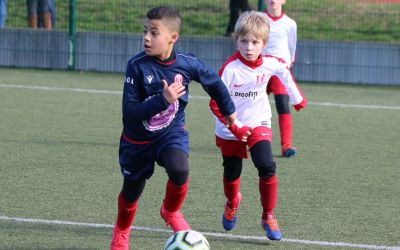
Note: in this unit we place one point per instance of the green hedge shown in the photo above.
(339, 20)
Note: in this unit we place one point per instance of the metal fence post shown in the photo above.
(261, 5)
(71, 34)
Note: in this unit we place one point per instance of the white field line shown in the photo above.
(114, 92)
(208, 234)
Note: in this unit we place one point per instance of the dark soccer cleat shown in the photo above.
(288, 151)
(229, 217)
(270, 225)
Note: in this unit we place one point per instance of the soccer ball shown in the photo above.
(187, 240)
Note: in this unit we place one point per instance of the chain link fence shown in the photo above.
(356, 41)
(337, 20)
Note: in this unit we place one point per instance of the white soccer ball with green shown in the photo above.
(187, 240)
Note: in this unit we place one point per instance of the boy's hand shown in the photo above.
(301, 105)
(230, 119)
(172, 92)
(239, 131)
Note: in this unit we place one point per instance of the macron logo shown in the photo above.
(149, 78)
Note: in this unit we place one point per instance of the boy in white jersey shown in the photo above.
(246, 74)
(282, 43)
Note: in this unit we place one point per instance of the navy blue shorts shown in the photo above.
(137, 159)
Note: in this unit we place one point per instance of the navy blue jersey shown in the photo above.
(146, 113)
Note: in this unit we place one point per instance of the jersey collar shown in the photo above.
(274, 18)
(252, 65)
(169, 61)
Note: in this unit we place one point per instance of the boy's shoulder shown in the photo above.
(186, 56)
(271, 60)
(137, 57)
(287, 19)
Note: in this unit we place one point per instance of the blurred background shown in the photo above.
(352, 41)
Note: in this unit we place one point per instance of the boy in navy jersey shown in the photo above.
(154, 98)
(246, 75)
(282, 43)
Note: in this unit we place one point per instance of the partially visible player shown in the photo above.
(282, 43)
(246, 75)
(154, 99)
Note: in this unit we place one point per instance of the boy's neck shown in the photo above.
(275, 12)
(170, 58)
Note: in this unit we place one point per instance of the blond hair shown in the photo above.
(252, 22)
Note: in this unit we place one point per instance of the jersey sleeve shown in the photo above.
(292, 39)
(295, 94)
(215, 88)
(134, 108)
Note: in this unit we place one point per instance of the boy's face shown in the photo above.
(250, 47)
(158, 39)
(274, 4)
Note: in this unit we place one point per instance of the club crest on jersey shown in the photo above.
(260, 79)
(149, 78)
(178, 78)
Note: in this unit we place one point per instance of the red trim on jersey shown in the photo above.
(166, 63)
(274, 18)
(126, 138)
(276, 86)
(215, 110)
(281, 60)
(169, 61)
(229, 60)
(250, 64)
(237, 56)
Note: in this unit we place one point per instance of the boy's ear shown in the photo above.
(174, 37)
(265, 42)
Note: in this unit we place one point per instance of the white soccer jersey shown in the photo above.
(247, 83)
(282, 39)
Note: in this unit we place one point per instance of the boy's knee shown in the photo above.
(178, 176)
(266, 169)
(232, 168)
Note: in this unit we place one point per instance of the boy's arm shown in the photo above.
(133, 107)
(240, 131)
(296, 95)
(227, 120)
(221, 103)
(292, 44)
(214, 87)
